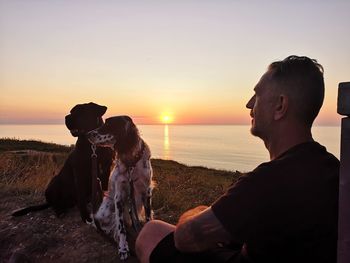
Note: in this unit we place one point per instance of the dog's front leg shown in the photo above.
(147, 204)
(81, 187)
(120, 231)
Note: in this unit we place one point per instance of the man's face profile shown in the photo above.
(261, 107)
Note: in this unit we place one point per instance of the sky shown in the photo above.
(195, 62)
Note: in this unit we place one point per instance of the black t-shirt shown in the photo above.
(286, 210)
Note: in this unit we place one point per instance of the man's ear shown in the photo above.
(281, 107)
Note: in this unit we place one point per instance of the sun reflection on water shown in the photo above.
(166, 144)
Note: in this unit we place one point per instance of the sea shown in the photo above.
(224, 147)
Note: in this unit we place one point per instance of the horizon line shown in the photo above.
(164, 124)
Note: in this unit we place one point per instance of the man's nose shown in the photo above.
(251, 102)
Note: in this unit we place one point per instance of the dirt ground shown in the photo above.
(41, 237)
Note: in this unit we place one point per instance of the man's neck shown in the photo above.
(281, 143)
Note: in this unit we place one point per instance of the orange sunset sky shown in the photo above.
(184, 62)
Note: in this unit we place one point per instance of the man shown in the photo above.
(285, 210)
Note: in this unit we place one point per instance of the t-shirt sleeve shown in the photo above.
(241, 207)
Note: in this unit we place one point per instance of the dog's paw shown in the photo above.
(123, 255)
(123, 251)
(86, 219)
(92, 223)
(89, 221)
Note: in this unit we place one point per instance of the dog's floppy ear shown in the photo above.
(132, 133)
(69, 121)
(128, 135)
(128, 123)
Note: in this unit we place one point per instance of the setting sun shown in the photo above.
(166, 118)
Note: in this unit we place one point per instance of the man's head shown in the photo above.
(291, 90)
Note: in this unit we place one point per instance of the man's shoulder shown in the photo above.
(302, 158)
(310, 149)
(307, 152)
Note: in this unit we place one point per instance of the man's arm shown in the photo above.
(198, 230)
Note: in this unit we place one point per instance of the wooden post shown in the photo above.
(344, 179)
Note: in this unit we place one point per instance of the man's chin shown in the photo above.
(254, 131)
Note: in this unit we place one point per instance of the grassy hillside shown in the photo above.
(7, 144)
(26, 167)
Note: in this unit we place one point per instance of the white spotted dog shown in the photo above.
(130, 182)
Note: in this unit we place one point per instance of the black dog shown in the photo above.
(72, 185)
